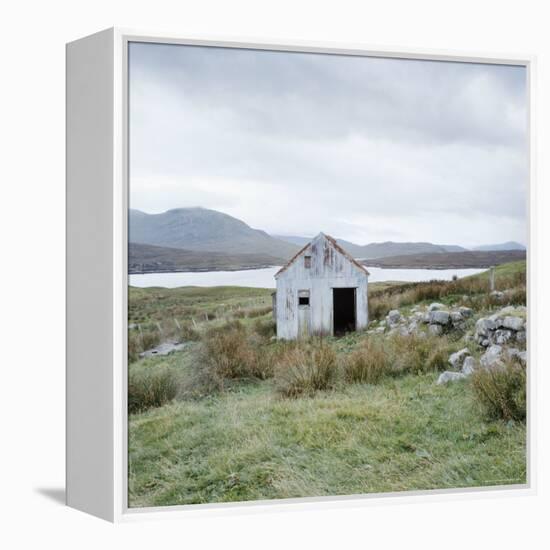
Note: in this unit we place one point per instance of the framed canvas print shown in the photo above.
(297, 274)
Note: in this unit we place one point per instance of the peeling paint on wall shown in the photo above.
(330, 267)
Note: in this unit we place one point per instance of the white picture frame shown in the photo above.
(97, 211)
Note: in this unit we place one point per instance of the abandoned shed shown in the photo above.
(321, 290)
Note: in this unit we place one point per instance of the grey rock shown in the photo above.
(163, 349)
(435, 306)
(515, 353)
(466, 311)
(502, 336)
(436, 330)
(484, 325)
(379, 330)
(468, 366)
(418, 316)
(521, 336)
(393, 317)
(492, 357)
(449, 376)
(456, 359)
(512, 310)
(497, 295)
(456, 317)
(513, 323)
(439, 317)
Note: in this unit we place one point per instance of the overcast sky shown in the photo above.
(364, 149)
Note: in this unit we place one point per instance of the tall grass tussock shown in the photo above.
(368, 363)
(303, 369)
(148, 389)
(414, 354)
(398, 355)
(501, 391)
(230, 352)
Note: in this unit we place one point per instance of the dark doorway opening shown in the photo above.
(343, 302)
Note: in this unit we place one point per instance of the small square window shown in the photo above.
(303, 300)
(307, 261)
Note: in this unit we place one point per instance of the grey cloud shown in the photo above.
(343, 137)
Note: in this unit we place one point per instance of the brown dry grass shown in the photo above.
(305, 368)
(501, 391)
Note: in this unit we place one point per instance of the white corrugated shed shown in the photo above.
(322, 290)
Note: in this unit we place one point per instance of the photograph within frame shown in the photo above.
(343, 382)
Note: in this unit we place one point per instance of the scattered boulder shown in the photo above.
(507, 325)
(469, 366)
(513, 323)
(457, 359)
(515, 353)
(393, 317)
(497, 295)
(484, 326)
(165, 348)
(402, 330)
(502, 336)
(436, 306)
(438, 317)
(465, 311)
(418, 316)
(492, 357)
(450, 376)
(436, 330)
(456, 317)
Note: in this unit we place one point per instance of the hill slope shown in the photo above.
(146, 258)
(380, 250)
(202, 230)
(449, 260)
(510, 245)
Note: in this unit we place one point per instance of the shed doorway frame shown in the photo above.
(341, 319)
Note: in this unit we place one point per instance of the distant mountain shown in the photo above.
(381, 250)
(147, 258)
(453, 248)
(510, 245)
(299, 241)
(201, 229)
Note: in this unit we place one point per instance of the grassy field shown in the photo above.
(241, 439)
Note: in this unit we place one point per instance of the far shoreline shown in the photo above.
(254, 268)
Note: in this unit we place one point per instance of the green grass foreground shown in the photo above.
(239, 439)
(248, 444)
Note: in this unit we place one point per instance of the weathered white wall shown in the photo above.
(329, 269)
